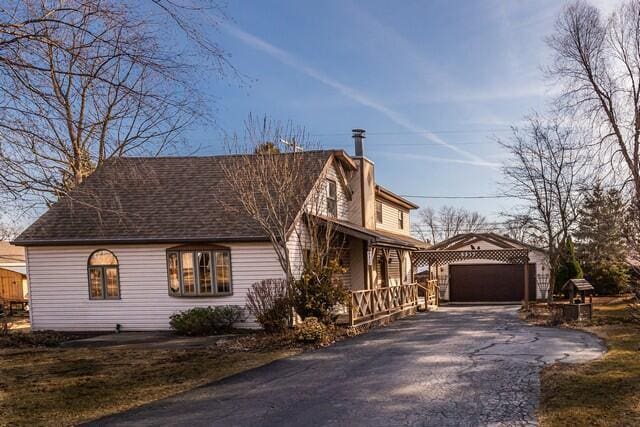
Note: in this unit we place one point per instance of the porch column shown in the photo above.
(526, 284)
(365, 265)
(370, 267)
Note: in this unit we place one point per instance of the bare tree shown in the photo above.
(7, 232)
(519, 227)
(425, 227)
(284, 191)
(447, 222)
(545, 171)
(84, 81)
(597, 62)
(474, 221)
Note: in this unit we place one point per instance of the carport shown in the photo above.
(432, 258)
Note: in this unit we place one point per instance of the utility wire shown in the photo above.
(505, 129)
(504, 196)
(415, 144)
(498, 196)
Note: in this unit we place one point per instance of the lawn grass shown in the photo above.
(605, 392)
(65, 386)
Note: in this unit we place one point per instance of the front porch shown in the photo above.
(370, 305)
(380, 276)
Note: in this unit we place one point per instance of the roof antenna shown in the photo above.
(292, 145)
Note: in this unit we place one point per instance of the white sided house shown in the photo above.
(494, 279)
(144, 238)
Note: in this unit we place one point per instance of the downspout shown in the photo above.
(26, 258)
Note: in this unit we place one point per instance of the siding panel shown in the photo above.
(60, 296)
(390, 219)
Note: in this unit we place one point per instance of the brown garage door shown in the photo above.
(490, 282)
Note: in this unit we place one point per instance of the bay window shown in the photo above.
(199, 272)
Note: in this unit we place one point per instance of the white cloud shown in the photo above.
(349, 92)
(483, 163)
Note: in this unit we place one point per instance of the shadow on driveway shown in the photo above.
(456, 366)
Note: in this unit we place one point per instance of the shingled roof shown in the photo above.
(156, 199)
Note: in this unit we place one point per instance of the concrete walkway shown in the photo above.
(458, 366)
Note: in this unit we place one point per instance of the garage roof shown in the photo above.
(466, 239)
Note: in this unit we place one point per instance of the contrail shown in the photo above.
(351, 93)
(484, 163)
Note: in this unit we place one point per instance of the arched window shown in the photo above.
(104, 277)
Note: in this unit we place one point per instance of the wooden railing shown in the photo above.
(372, 304)
(432, 292)
(431, 295)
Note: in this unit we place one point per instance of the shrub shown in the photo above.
(607, 277)
(18, 339)
(268, 302)
(206, 320)
(311, 330)
(318, 292)
(569, 267)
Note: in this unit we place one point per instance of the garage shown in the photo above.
(490, 282)
(485, 268)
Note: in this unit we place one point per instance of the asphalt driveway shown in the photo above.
(457, 366)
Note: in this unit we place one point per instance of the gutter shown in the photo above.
(129, 240)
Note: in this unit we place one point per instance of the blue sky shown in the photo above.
(434, 83)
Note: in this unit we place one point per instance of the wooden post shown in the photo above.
(373, 300)
(351, 308)
(401, 266)
(526, 284)
(369, 267)
(437, 277)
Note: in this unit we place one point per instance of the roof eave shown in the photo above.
(143, 240)
(391, 196)
(346, 159)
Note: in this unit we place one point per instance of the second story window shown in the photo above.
(378, 212)
(400, 220)
(332, 198)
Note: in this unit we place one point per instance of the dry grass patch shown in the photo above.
(605, 392)
(67, 386)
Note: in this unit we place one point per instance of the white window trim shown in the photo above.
(196, 273)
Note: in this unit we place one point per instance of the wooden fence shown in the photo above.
(11, 286)
(373, 304)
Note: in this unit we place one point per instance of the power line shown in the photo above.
(423, 228)
(347, 143)
(483, 224)
(505, 196)
(425, 132)
(497, 196)
(418, 144)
